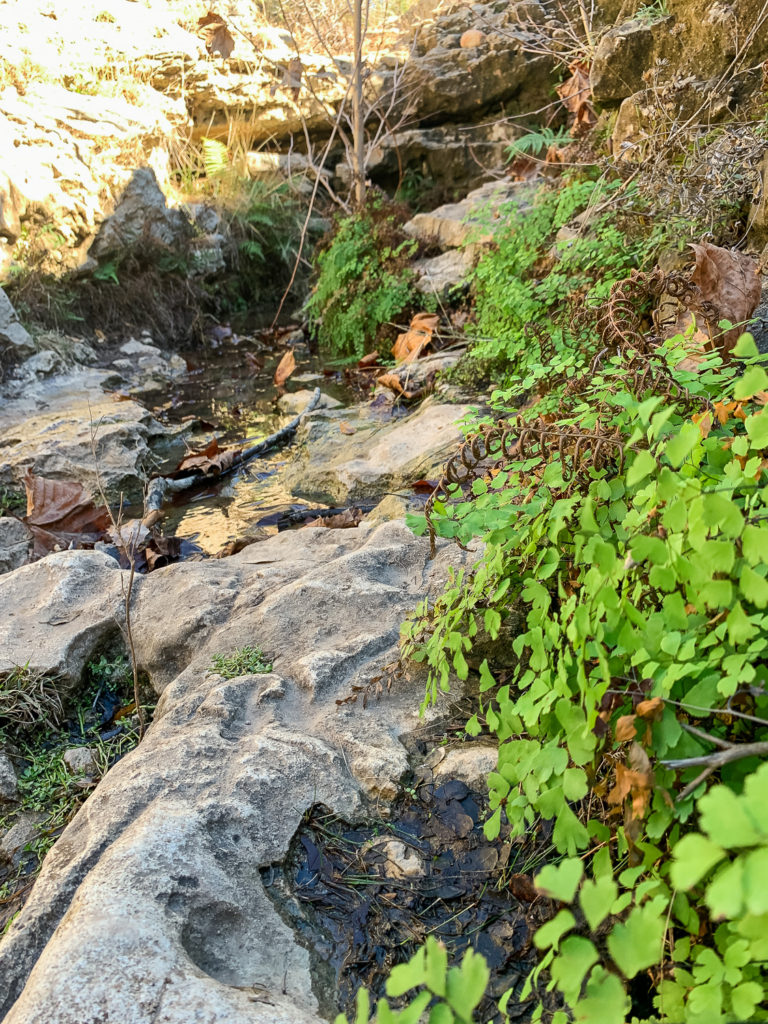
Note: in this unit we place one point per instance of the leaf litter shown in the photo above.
(364, 896)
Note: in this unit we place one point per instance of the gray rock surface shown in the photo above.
(142, 216)
(161, 867)
(13, 335)
(46, 425)
(338, 469)
(472, 220)
(438, 275)
(58, 611)
(9, 789)
(15, 544)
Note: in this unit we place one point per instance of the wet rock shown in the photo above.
(162, 866)
(295, 402)
(12, 334)
(58, 611)
(339, 469)
(15, 544)
(9, 788)
(81, 761)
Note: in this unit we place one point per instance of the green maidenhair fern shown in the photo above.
(363, 281)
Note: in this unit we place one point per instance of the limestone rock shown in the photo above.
(58, 415)
(162, 865)
(455, 156)
(622, 56)
(12, 334)
(294, 402)
(438, 275)
(401, 861)
(141, 216)
(58, 611)
(337, 469)
(15, 544)
(14, 844)
(471, 220)
(9, 789)
(81, 761)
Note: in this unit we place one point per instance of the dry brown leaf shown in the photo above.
(217, 36)
(347, 428)
(731, 282)
(625, 728)
(704, 422)
(62, 506)
(575, 96)
(370, 360)
(285, 368)
(410, 345)
(346, 520)
(651, 709)
(211, 461)
(522, 887)
(392, 381)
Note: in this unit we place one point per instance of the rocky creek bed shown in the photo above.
(185, 865)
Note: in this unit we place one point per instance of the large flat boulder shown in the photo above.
(337, 469)
(159, 875)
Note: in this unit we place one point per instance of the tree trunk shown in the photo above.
(358, 125)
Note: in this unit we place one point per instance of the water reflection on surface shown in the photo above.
(236, 400)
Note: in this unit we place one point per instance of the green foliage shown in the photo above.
(537, 141)
(243, 662)
(630, 535)
(363, 281)
(11, 501)
(528, 288)
(451, 994)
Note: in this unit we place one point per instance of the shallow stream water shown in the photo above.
(233, 399)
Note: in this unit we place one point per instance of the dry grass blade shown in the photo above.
(28, 697)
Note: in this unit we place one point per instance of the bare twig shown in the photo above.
(128, 550)
(160, 486)
(734, 752)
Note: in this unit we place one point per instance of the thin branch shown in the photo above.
(721, 757)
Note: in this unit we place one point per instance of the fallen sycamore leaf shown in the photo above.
(730, 281)
(575, 94)
(392, 381)
(61, 514)
(62, 506)
(285, 368)
(416, 339)
(625, 728)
